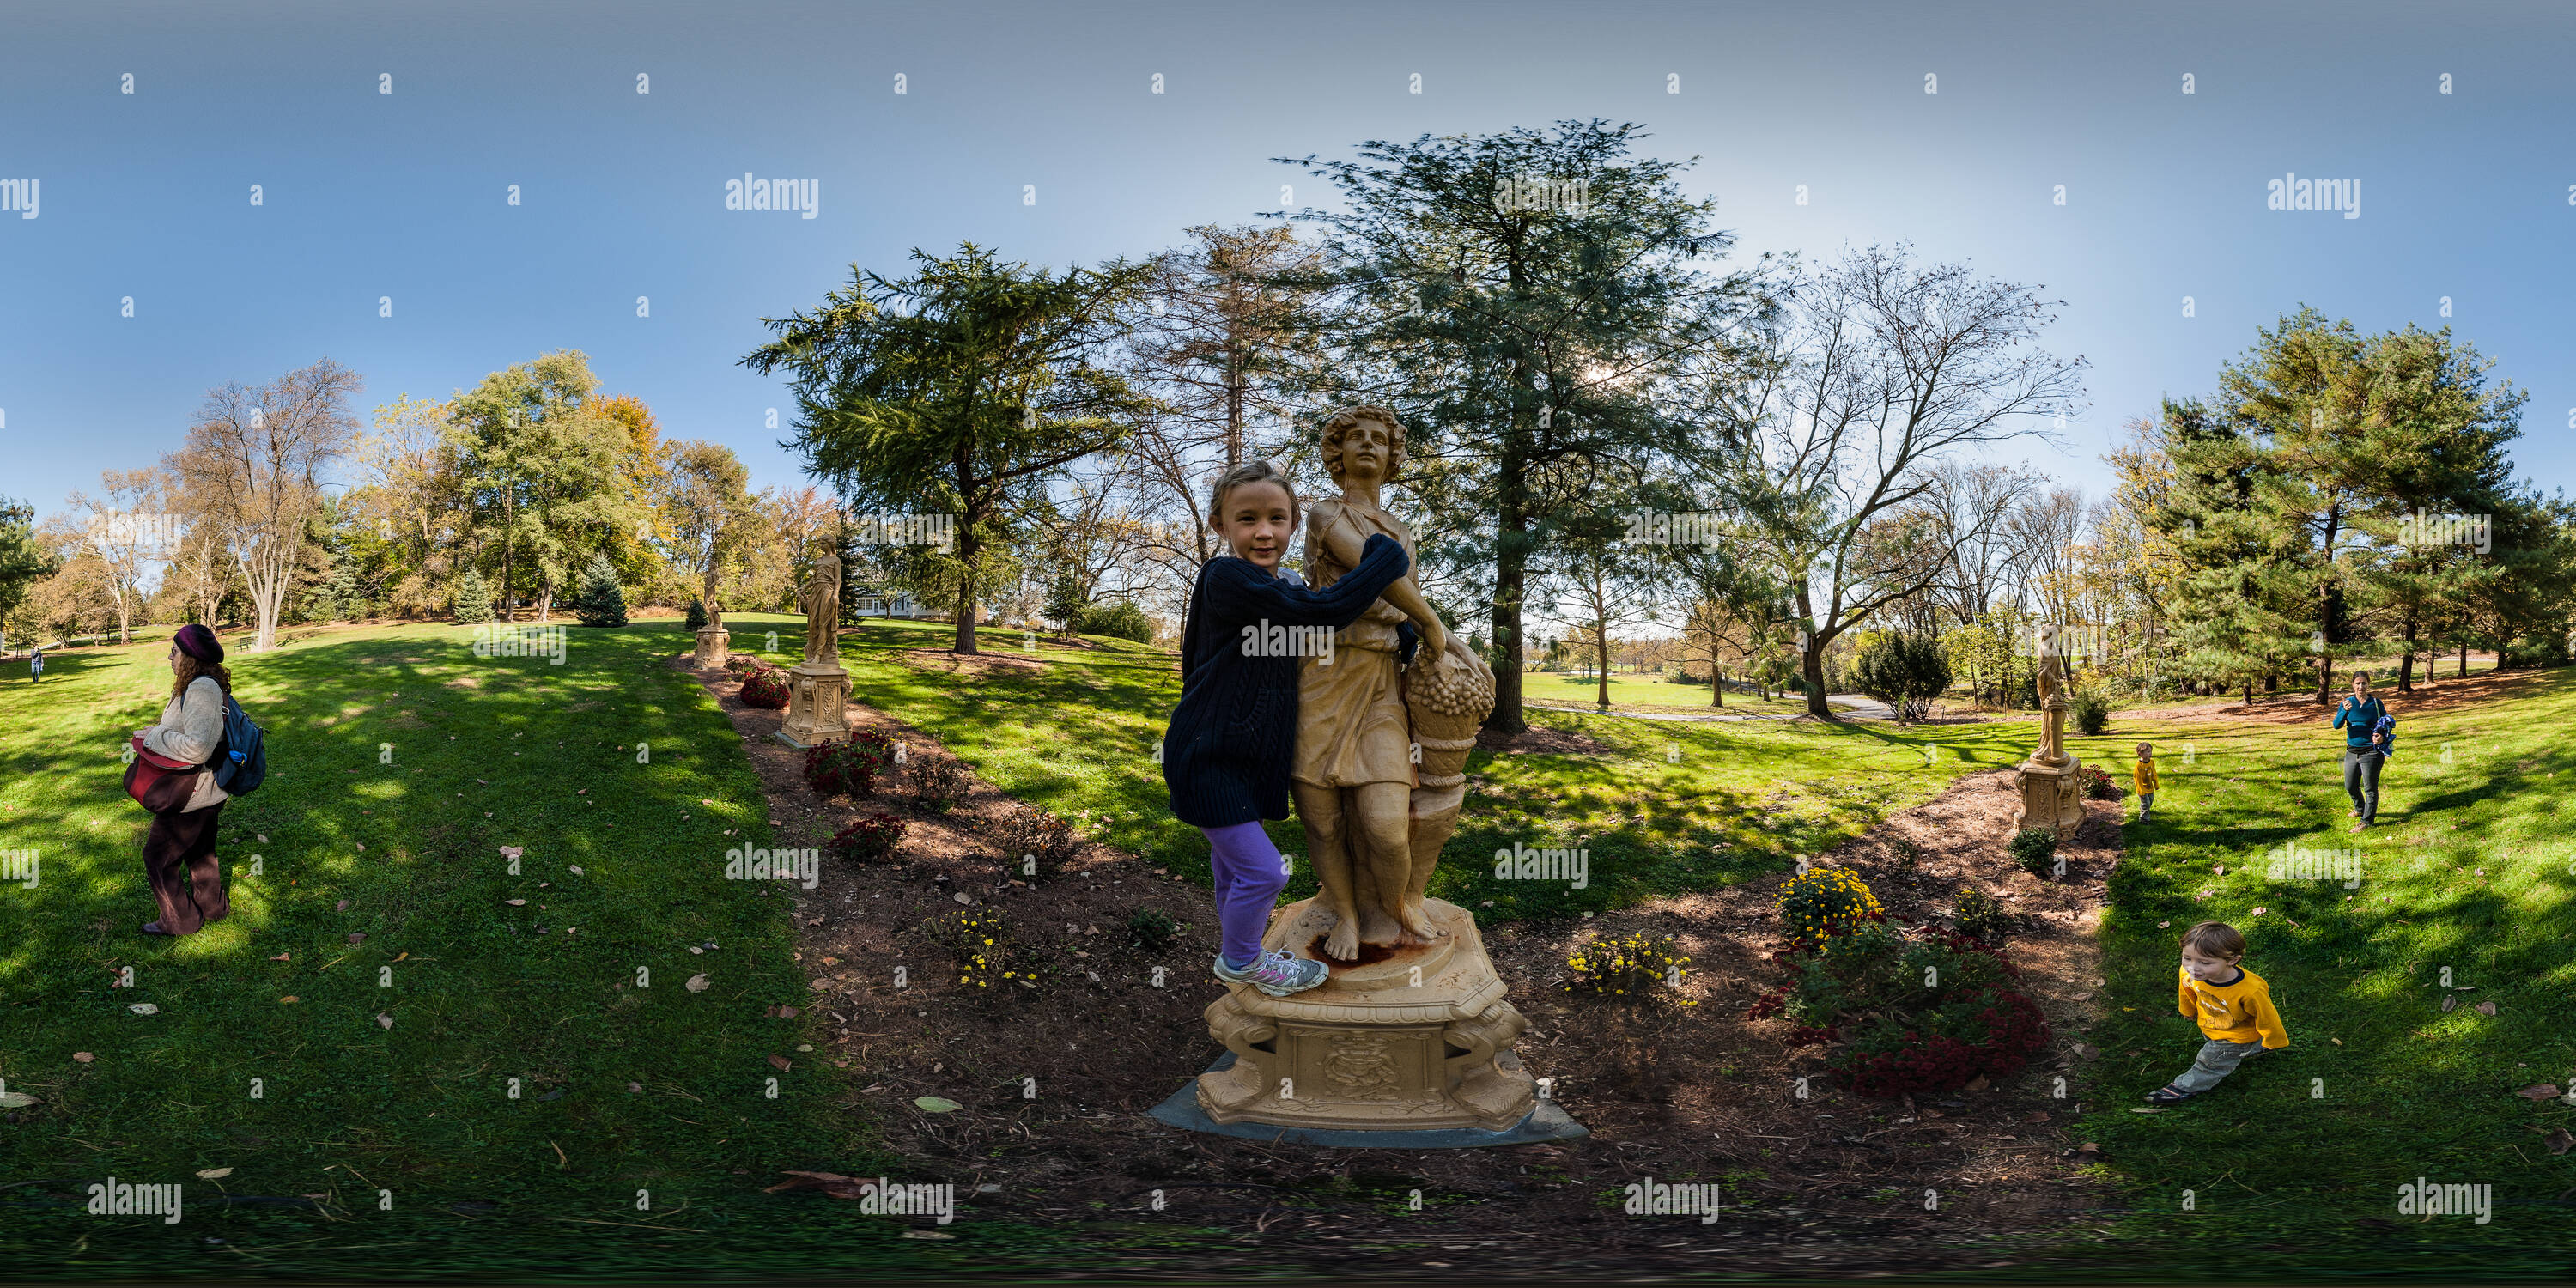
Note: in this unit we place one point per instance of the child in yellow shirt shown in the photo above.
(2143, 776)
(2232, 1004)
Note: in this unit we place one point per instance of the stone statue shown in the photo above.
(2052, 699)
(1412, 1031)
(1354, 775)
(821, 600)
(2050, 783)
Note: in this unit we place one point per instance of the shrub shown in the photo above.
(1904, 671)
(848, 768)
(1151, 930)
(743, 662)
(599, 600)
(471, 599)
(1906, 851)
(1632, 966)
(871, 838)
(938, 783)
(2034, 850)
(1036, 844)
(1824, 902)
(1922, 1012)
(1121, 619)
(1980, 916)
(2092, 710)
(2098, 783)
(696, 617)
(766, 687)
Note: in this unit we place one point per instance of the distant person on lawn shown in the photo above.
(36, 665)
(2359, 717)
(179, 852)
(2142, 776)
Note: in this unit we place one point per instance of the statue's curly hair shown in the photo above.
(1343, 421)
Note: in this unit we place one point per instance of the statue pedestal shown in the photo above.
(1411, 1038)
(715, 644)
(2052, 796)
(815, 694)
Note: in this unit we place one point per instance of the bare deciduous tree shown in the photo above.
(254, 459)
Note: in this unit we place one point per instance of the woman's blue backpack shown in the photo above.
(241, 760)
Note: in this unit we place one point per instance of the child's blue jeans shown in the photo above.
(2146, 805)
(2217, 1059)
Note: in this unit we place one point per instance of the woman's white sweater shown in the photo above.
(191, 727)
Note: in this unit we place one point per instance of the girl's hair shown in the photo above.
(190, 668)
(1247, 473)
(2361, 678)
(2215, 939)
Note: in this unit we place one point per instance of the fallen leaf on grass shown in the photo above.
(357, 936)
(516, 903)
(2538, 1091)
(214, 1173)
(698, 984)
(937, 1104)
(2146, 1109)
(383, 1020)
(144, 1008)
(2450, 1003)
(2559, 1140)
(288, 1000)
(343, 906)
(2485, 1008)
(831, 1183)
(278, 958)
(961, 897)
(926, 1234)
(2336, 1041)
(574, 871)
(17, 1100)
(780, 1063)
(83, 1056)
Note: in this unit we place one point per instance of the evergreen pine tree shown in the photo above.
(696, 620)
(600, 601)
(473, 599)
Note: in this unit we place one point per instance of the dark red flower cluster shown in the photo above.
(766, 687)
(834, 768)
(873, 836)
(2014, 1029)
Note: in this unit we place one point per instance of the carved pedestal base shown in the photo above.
(815, 694)
(1409, 1038)
(715, 644)
(2052, 796)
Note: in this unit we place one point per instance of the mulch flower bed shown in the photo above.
(1669, 1092)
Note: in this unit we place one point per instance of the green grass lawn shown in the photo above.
(1671, 808)
(2468, 879)
(1648, 692)
(400, 765)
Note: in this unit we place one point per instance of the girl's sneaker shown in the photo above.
(1277, 973)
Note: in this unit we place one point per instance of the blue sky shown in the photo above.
(403, 195)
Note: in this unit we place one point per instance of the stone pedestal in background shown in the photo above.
(816, 693)
(2052, 796)
(715, 644)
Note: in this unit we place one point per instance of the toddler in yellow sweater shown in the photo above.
(2143, 776)
(2232, 1004)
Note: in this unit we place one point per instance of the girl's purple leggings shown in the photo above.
(1248, 881)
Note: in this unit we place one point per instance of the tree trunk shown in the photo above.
(966, 548)
(1716, 683)
(1811, 659)
(2464, 660)
(546, 602)
(2406, 667)
(1601, 637)
(509, 521)
(1511, 571)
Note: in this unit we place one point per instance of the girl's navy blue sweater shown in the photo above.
(1227, 755)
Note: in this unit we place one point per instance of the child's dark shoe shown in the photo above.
(2168, 1094)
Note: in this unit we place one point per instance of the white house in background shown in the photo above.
(899, 605)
